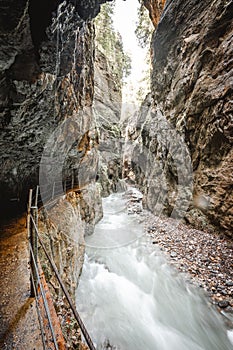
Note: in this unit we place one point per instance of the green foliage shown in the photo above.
(144, 27)
(110, 43)
(144, 30)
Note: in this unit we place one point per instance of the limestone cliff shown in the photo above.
(46, 70)
(155, 8)
(48, 130)
(107, 107)
(191, 88)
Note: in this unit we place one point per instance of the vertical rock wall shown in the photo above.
(107, 107)
(48, 130)
(191, 87)
(46, 71)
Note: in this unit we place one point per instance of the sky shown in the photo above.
(125, 18)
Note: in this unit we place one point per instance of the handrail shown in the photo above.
(39, 314)
(44, 300)
(51, 192)
(34, 237)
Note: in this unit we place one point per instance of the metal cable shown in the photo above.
(67, 185)
(39, 314)
(43, 296)
(72, 306)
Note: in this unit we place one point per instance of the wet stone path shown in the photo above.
(19, 326)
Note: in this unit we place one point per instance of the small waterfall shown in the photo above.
(131, 299)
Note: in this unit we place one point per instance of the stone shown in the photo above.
(107, 109)
(173, 254)
(48, 129)
(229, 283)
(223, 304)
(182, 154)
(155, 8)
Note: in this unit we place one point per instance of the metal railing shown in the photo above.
(50, 191)
(37, 289)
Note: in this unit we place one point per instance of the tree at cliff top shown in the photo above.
(144, 27)
(144, 30)
(109, 42)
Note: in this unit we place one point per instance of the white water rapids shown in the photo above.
(129, 297)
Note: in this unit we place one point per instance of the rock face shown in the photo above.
(191, 87)
(107, 107)
(63, 226)
(155, 8)
(46, 70)
(48, 130)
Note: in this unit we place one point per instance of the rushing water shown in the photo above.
(130, 298)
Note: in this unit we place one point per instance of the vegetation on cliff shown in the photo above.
(109, 42)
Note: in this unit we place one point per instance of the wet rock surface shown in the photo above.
(191, 93)
(63, 223)
(46, 72)
(48, 126)
(17, 309)
(107, 107)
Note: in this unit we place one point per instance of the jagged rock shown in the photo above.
(155, 8)
(191, 95)
(48, 129)
(47, 78)
(107, 107)
(90, 8)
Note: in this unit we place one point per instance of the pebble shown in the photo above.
(205, 256)
(229, 283)
(173, 255)
(223, 304)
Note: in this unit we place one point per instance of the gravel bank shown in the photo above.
(206, 258)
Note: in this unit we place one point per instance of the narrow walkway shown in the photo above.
(19, 326)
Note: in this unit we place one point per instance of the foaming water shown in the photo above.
(130, 298)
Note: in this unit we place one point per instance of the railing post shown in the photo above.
(72, 180)
(29, 211)
(36, 198)
(34, 245)
(53, 190)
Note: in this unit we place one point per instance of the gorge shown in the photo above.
(61, 126)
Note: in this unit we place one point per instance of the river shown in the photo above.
(131, 299)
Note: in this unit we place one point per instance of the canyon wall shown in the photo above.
(46, 69)
(107, 107)
(155, 8)
(191, 100)
(49, 134)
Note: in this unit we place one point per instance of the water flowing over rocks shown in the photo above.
(204, 258)
(48, 129)
(59, 121)
(136, 300)
(191, 89)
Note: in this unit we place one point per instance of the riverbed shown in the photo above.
(130, 298)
